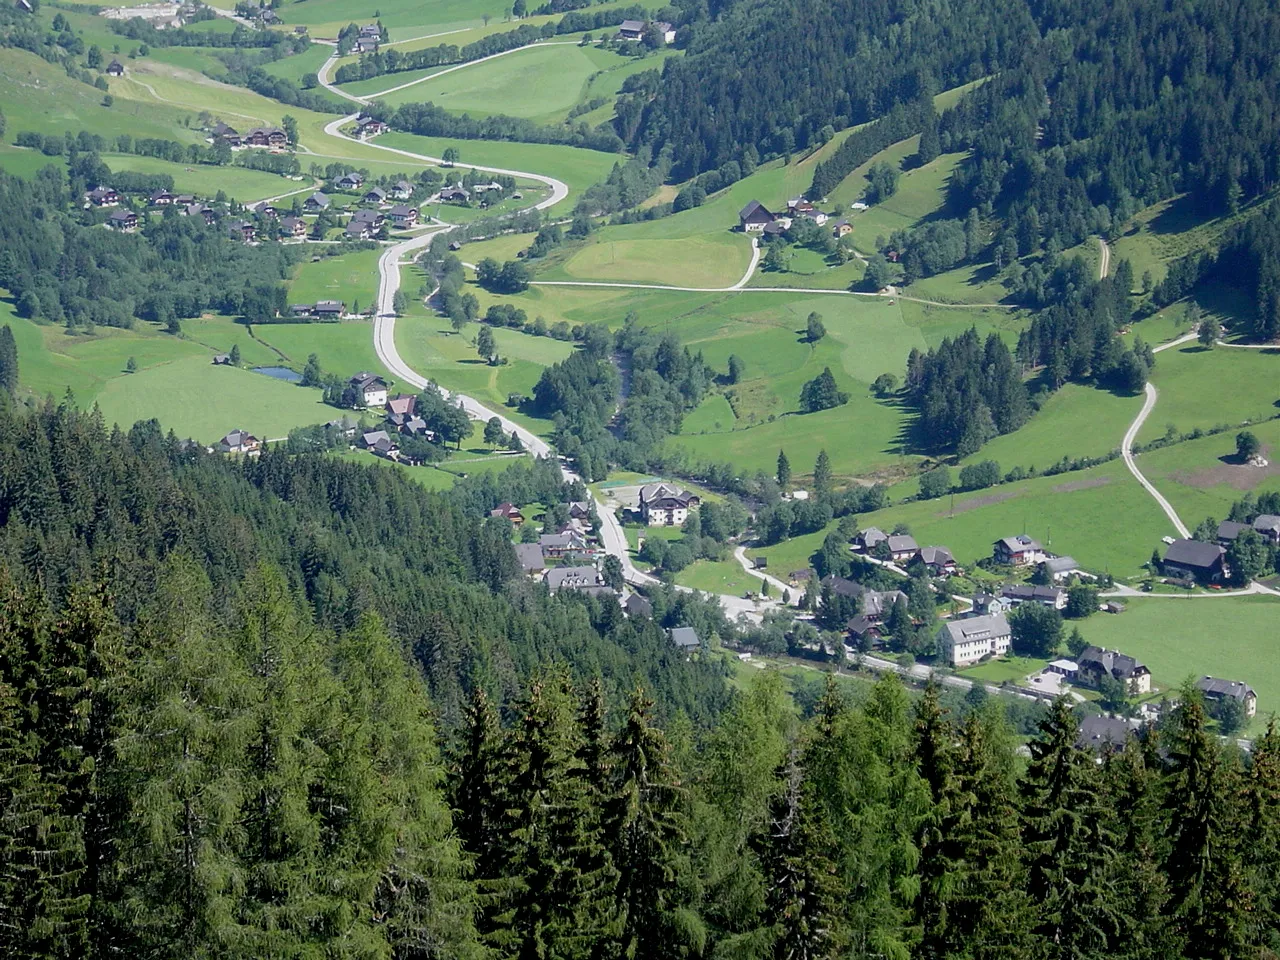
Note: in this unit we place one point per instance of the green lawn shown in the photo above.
(350, 276)
(1101, 516)
(194, 398)
(1203, 388)
(246, 186)
(996, 672)
(1233, 638)
(342, 348)
(718, 576)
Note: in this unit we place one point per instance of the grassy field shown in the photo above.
(1101, 516)
(1201, 478)
(246, 186)
(921, 192)
(350, 276)
(300, 65)
(196, 399)
(341, 348)
(575, 166)
(718, 576)
(1233, 638)
(1203, 388)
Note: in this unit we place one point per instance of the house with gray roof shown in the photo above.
(530, 556)
(1019, 551)
(1052, 597)
(1059, 568)
(754, 217)
(664, 504)
(1268, 527)
(1215, 691)
(1096, 662)
(867, 539)
(1103, 734)
(686, 638)
(962, 642)
(1195, 560)
(316, 202)
(638, 606)
(582, 579)
(902, 547)
(1228, 530)
(938, 559)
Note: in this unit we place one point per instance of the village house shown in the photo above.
(161, 198)
(1096, 662)
(581, 579)
(370, 389)
(457, 194)
(349, 182)
(315, 203)
(862, 631)
(241, 230)
(1195, 560)
(685, 638)
(568, 545)
(403, 215)
(938, 559)
(204, 211)
(508, 511)
(115, 69)
(375, 195)
(402, 404)
(869, 538)
(370, 30)
(221, 359)
(1060, 568)
(1053, 597)
(665, 30)
(1019, 551)
(183, 199)
(366, 45)
(373, 218)
(988, 603)
(1216, 690)
(631, 30)
(265, 137)
(221, 132)
(1100, 734)
(294, 227)
(962, 642)
(402, 190)
(103, 197)
(1228, 530)
(902, 547)
(270, 211)
(662, 504)
(368, 128)
(300, 30)
(1267, 526)
(875, 604)
(125, 221)
(529, 556)
(579, 510)
(239, 441)
(358, 230)
(329, 310)
(842, 229)
(753, 218)
(637, 606)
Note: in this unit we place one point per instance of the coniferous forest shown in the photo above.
(295, 707)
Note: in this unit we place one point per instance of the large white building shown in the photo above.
(962, 642)
(662, 504)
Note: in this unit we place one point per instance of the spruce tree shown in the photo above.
(644, 825)
(1262, 838)
(1208, 896)
(804, 892)
(8, 361)
(783, 474)
(822, 475)
(1066, 845)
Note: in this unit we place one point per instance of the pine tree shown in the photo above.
(1261, 844)
(8, 361)
(783, 474)
(1208, 896)
(934, 759)
(822, 475)
(804, 893)
(1066, 846)
(644, 827)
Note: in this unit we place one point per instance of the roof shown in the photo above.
(364, 379)
(1098, 732)
(632, 26)
(122, 215)
(1225, 688)
(842, 587)
(1119, 665)
(530, 557)
(978, 628)
(567, 538)
(860, 626)
(318, 198)
(755, 212)
(402, 210)
(376, 192)
(1068, 665)
(357, 228)
(575, 578)
(1229, 529)
(404, 185)
(936, 555)
(654, 492)
(902, 542)
(872, 535)
(1019, 543)
(405, 404)
(370, 217)
(373, 436)
(1267, 522)
(1193, 553)
(327, 306)
(238, 437)
(1022, 591)
(877, 603)
(638, 606)
(685, 637)
(1061, 564)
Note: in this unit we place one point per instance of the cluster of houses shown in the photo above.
(634, 30)
(756, 218)
(365, 223)
(268, 138)
(401, 418)
(320, 310)
(369, 39)
(1203, 561)
(126, 220)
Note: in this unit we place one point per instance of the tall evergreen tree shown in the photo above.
(1208, 895)
(822, 475)
(8, 361)
(1261, 846)
(783, 473)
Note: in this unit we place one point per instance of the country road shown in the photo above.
(612, 537)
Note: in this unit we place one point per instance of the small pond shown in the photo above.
(280, 373)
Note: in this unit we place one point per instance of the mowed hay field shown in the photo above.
(1233, 638)
(349, 277)
(1202, 478)
(245, 186)
(1202, 388)
(1100, 516)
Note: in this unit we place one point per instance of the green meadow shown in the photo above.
(350, 277)
(1233, 638)
(1203, 388)
(245, 186)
